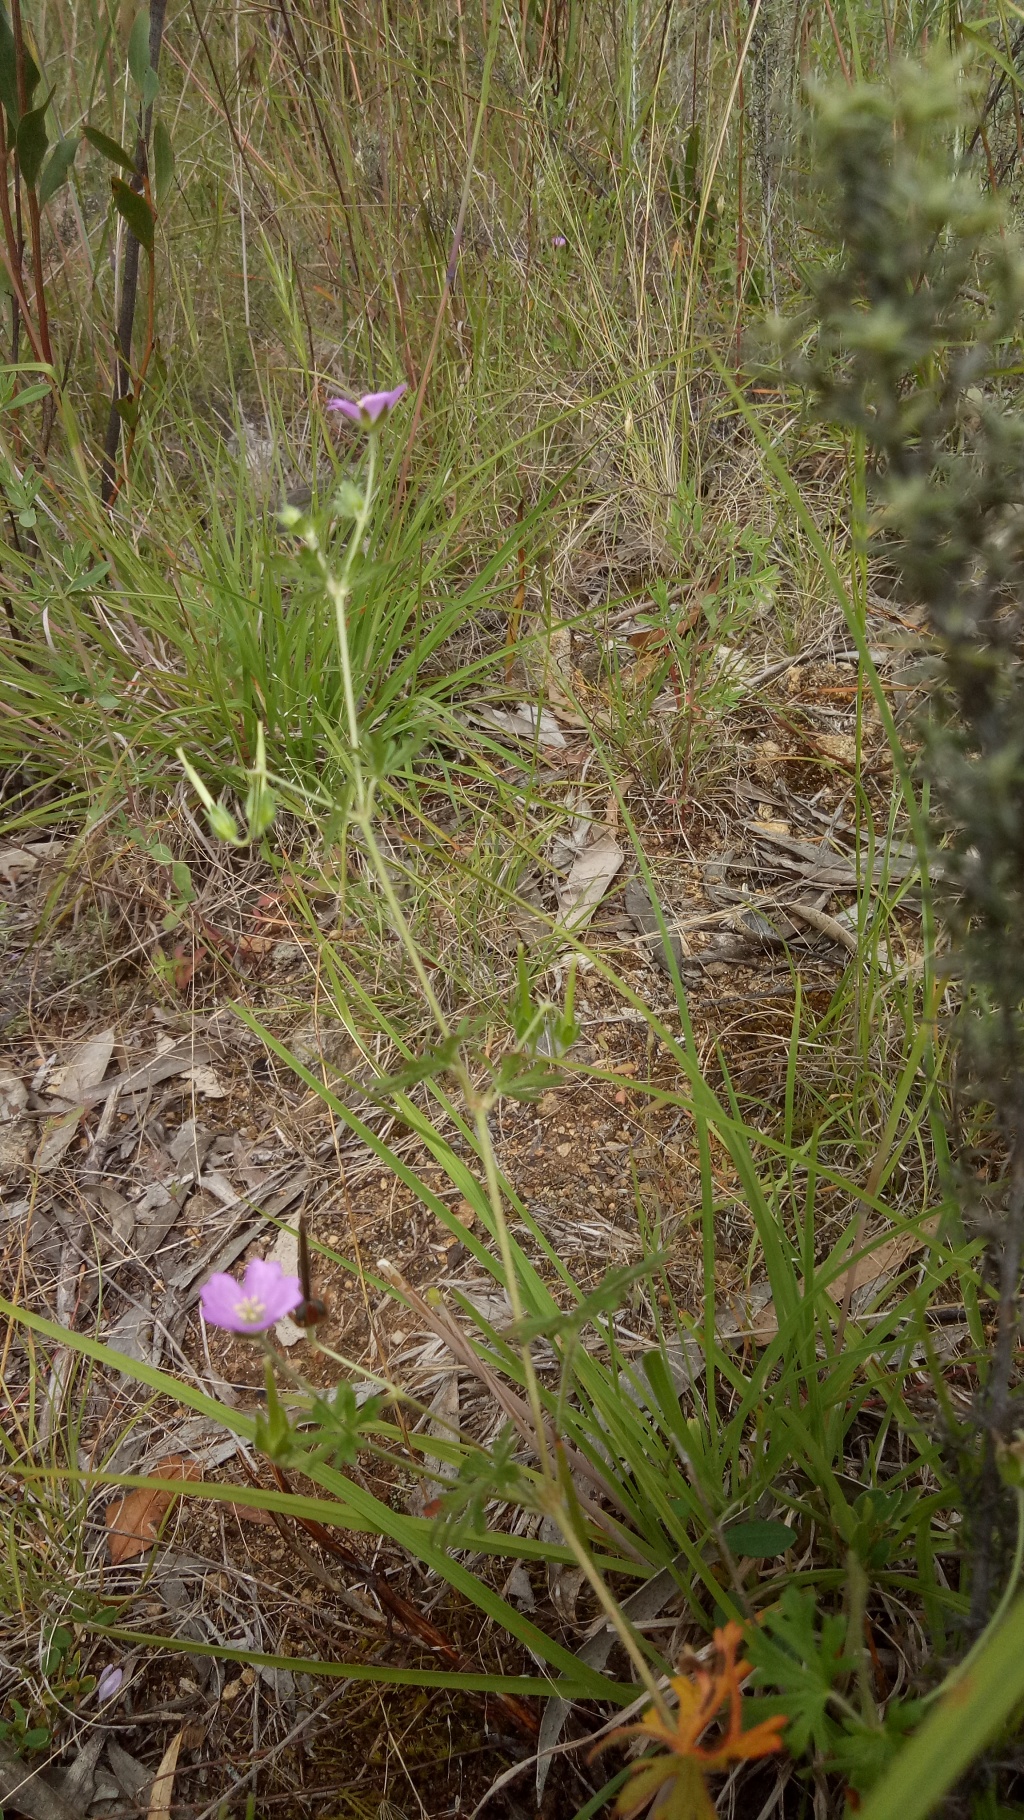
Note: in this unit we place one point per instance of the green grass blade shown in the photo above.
(968, 1717)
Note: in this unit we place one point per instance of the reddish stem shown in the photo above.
(35, 233)
(11, 254)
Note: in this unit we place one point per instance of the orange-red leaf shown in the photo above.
(677, 1777)
(683, 1790)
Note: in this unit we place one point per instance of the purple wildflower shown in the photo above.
(559, 240)
(371, 409)
(254, 1304)
(109, 1683)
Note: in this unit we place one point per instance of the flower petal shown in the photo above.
(252, 1306)
(371, 409)
(347, 409)
(219, 1298)
(109, 1682)
(376, 405)
(265, 1283)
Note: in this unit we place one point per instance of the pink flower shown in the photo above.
(371, 409)
(109, 1683)
(254, 1304)
(559, 240)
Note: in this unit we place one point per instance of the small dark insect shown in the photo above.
(311, 1309)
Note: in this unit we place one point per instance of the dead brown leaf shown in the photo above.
(133, 1522)
(252, 1513)
(753, 1315)
(87, 1066)
(57, 1134)
(15, 1150)
(589, 878)
(16, 863)
(887, 1259)
(187, 959)
(177, 1058)
(13, 1095)
(256, 947)
(162, 1791)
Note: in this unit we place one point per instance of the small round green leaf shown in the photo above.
(759, 1539)
(181, 879)
(348, 501)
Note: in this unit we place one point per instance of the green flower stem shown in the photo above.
(558, 1508)
(362, 815)
(857, 1595)
(553, 1495)
(339, 589)
(483, 1133)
